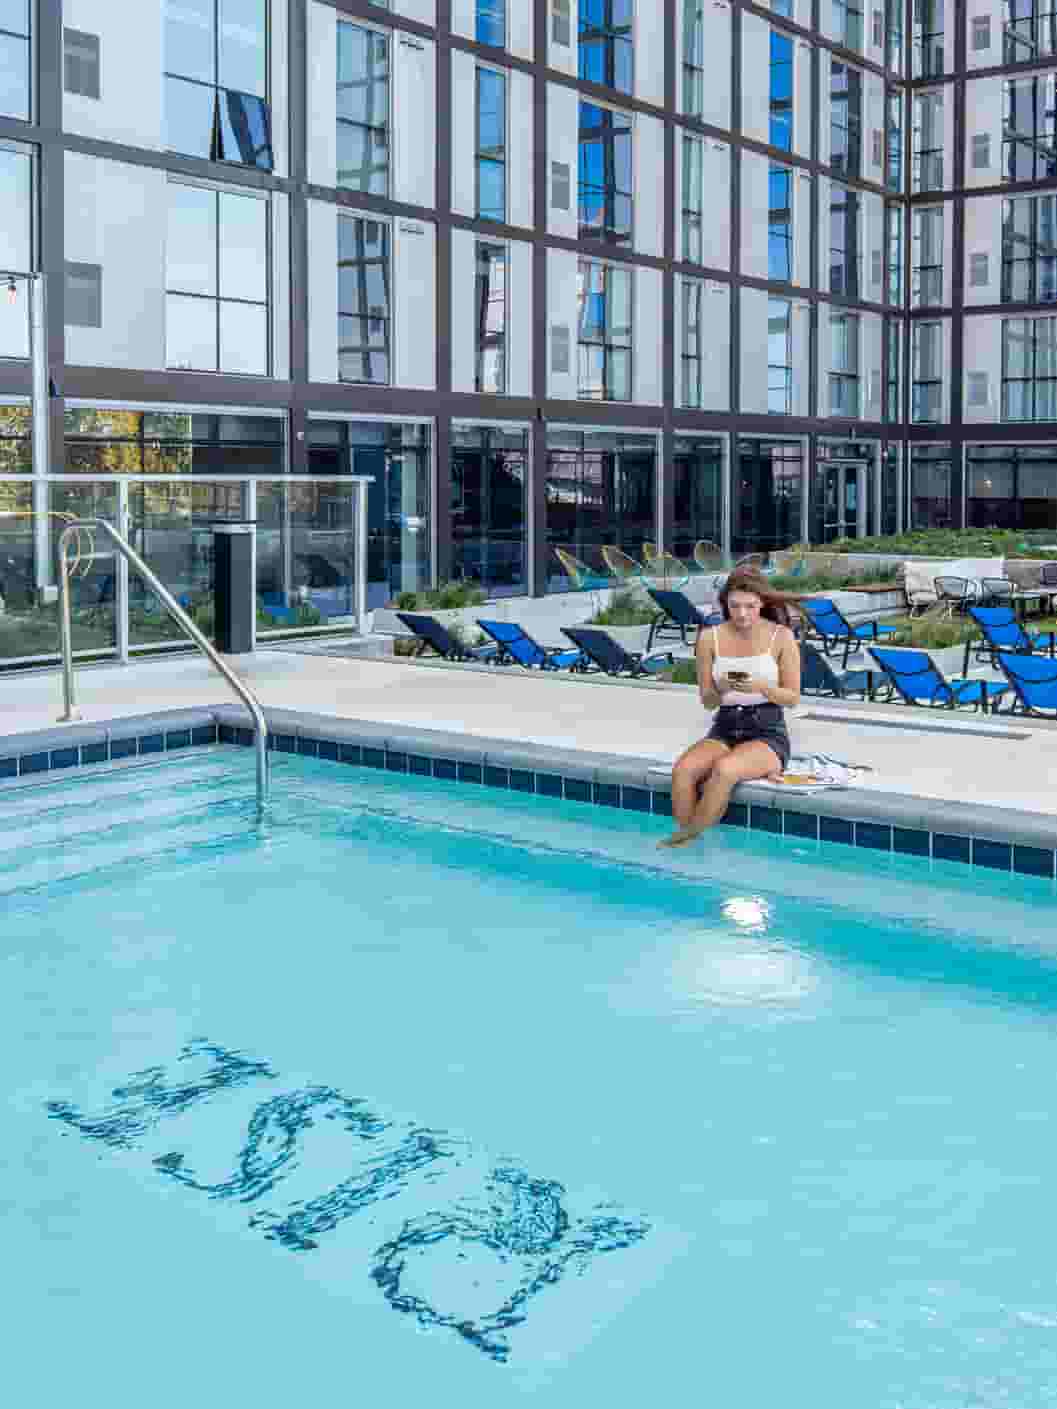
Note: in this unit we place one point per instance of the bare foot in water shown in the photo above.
(681, 837)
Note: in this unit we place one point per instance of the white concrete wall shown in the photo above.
(801, 338)
(563, 57)
(463, 133)
(755, 76)
(414, 298)
(871, 341)
(983, 235)
(648, 184)
(280, 310)
(648, 46)
(562, 312)
(425, 11)
(950, 26)
(717, 54)
(648, 289)
(803, 195)
(279, 85)
(563, 117)
(414, 114)
(755, 170)
(874, 52)
(322, 135)
(519, 319)
(464, 18)
(714, 344)
(873, 248)
(802, 114)
(323, 292)
(873, 129)
(131, 62)
(116, 216)
(753, 351)
(992, 55)
(984, 107)
(520, 18)
(520, 184)
(983, 354)
(463, 310)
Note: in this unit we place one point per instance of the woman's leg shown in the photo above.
(741, 764)
(688, 773)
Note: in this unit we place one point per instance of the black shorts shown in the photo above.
(744, 724)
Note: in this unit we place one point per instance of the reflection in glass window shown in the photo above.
(893, 386)
(894, 35)
(926, 366)
(697, 471)
(363, 109)
(927, 269)
(15, 59)
(780, 356)
(780, 224)
(491, 310)
(604, 332)
(491, 22)
(847, 23)
(845, 119)
(1029, 31)
(894, 141)
(1029, 369)
(845, 219)
(693, 198)
(768, 493)
(488, 511)
(105, 440)
(781, 91)
(16, 248)
(363, 300)
(844, 391)
(1029, 129)
(216, 80)
(693, 58)
(605, 174)
(928, 141)
(601, 489)
(1029, 249)
(928, 38)
(895, 254)
(693, 297)
(491, 145)
(606, 43)
(216, 281)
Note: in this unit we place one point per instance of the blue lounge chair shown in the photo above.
(610, 656)
(1003, 632)
(431, 632)
(1034, 682)
(677, 615)
(817, 676)
(515, 644)
(917, 680)
(828, 625)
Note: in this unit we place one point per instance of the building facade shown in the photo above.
(552, 272)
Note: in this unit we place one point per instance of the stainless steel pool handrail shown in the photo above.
(245, 694)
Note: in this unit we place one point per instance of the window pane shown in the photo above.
(491, 189)
(191, 245)
(363, 159)
(189, 47)
(14, 325)
(16, 203)
(244, 339)
(14, 77)
(619, 309)
(618, 374)
(14, 15)
(491, 22)
(245, 130)
(363, 67)
(191, 333)
(1045, 347)
(363, 354)
(243, 247)
(241, 42)
(491, 113)
(592, 367)
(1016, 348)
(189, 109)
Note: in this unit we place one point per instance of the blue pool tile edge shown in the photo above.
(988, 837)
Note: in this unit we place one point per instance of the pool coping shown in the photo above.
(996, 838)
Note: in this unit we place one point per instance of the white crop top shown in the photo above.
(764, 667)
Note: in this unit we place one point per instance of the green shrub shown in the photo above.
(683, 672)
(448, 596)
(626, 608)
(955, 543)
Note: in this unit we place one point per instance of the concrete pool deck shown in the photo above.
(960, 760)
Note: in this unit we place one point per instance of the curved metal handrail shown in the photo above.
(245, 694)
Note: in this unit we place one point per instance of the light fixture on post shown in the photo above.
(12, 290)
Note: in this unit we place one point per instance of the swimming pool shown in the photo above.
(422, 1090)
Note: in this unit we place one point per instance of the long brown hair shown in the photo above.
(779, 607)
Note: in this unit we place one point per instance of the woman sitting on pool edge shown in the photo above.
(750, 668)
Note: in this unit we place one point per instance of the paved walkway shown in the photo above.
(928, 754)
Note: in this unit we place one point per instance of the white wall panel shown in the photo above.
(116, 217)
(563, 117)
(983, 235)
(991, 54)
(414, 110)
(648, 169)
(323, 292)
(873, 137)
(463, 133)
(716, 235)
(715, 105)
(463, 310)
(131, 61)
(562, 285)
(802, 115)
(755, 76)
(425, 11)
(823, 275)
(322, 136)
(563, 57)
(647, 335)
(278, 49)
(873, 263)
(874, 10)
(520, 17)
(800, 337)
(648, 35)
(755, 205)
(519, 319)
(803, 196)
(464, 18)
(520, 184)
(714, 345)
(983, 356)
(753, 351)
(872, 337)
(280, 211)
(415, 303)
(952, 15)
(984, 110)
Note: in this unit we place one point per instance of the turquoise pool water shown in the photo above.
(421, 1092)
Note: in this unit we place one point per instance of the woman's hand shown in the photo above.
(752, 686)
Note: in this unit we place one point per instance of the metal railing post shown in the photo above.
(245, 694)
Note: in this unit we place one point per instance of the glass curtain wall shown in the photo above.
(601, 489)
(399, 504)
(1010, 486)
(767, 484)
(890, 465)
(488, 526)
(930, 486)
(697, 467)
